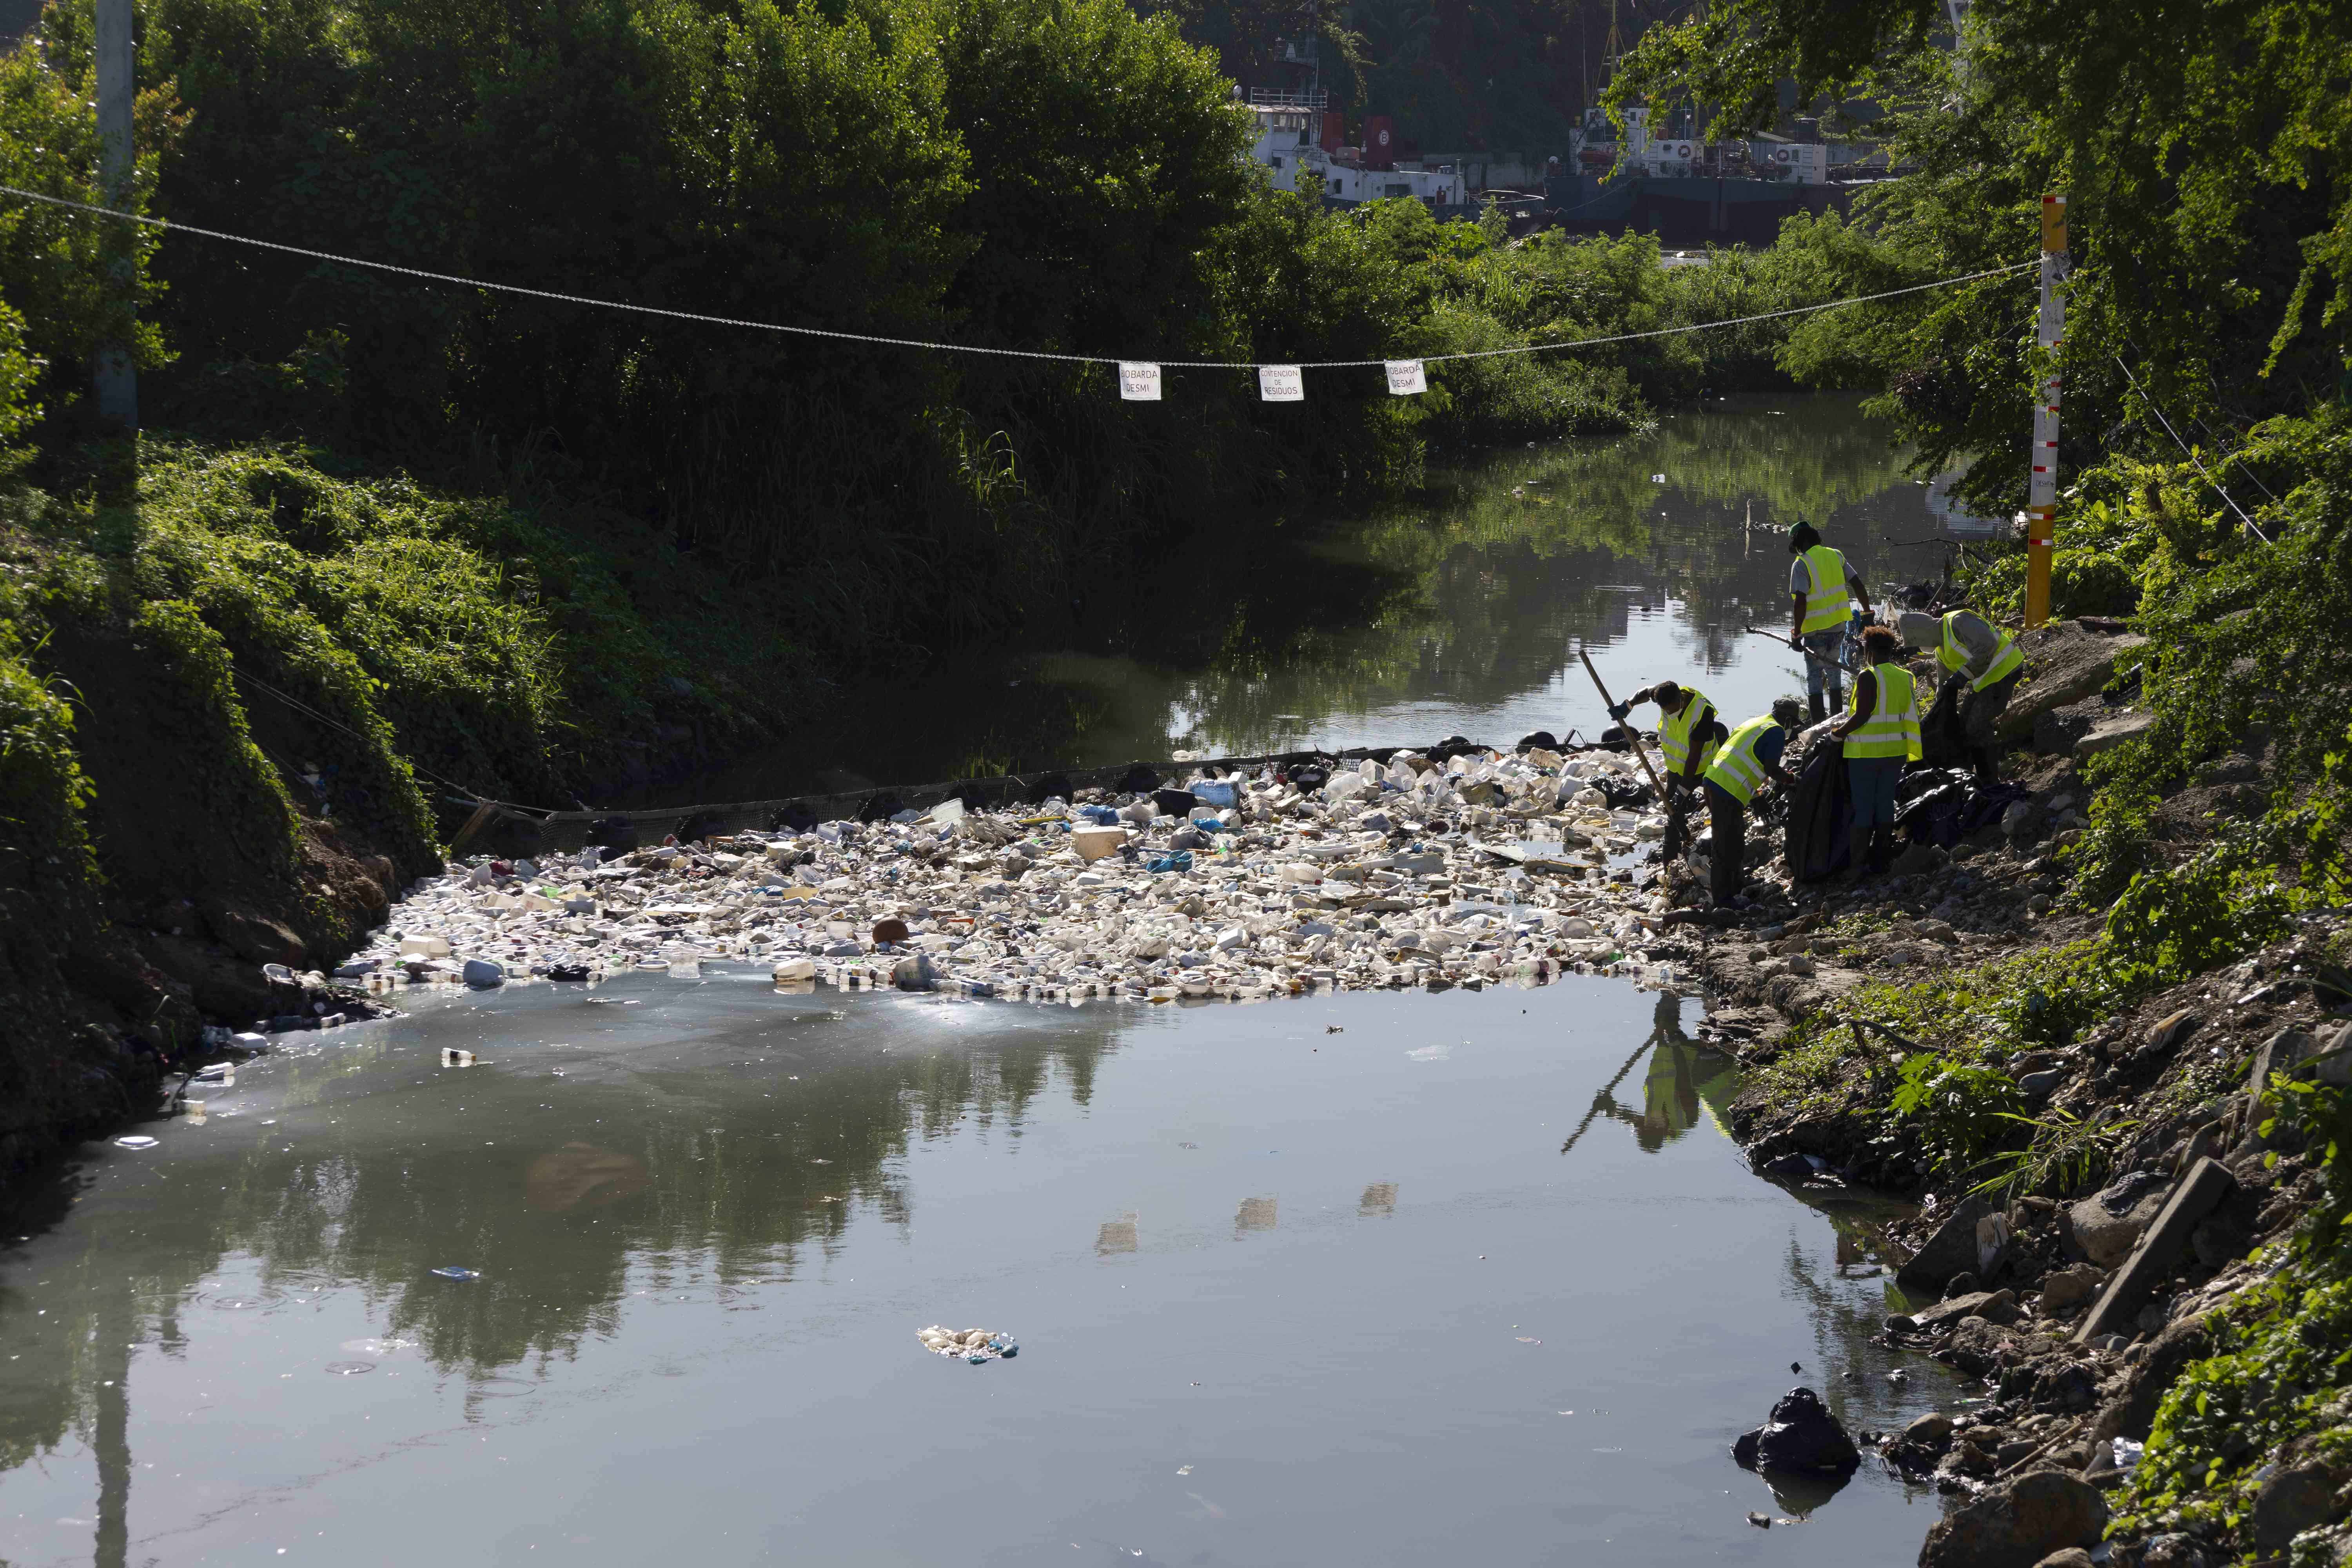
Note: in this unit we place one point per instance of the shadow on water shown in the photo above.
(1453, 609)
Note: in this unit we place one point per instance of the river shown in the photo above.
(1367, 1278)
(1457, 611)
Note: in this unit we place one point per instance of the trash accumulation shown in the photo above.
(1485, 868)
(974, 1345)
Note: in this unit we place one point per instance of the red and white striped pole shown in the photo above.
(2041, 490)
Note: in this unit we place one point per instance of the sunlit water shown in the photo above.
(1475, 1278)
(1459, 612)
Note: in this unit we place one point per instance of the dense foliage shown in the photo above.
(2207, 155)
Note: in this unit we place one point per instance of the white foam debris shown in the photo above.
(1490, 867)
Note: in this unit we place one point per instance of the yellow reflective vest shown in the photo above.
(1736, 769)
(1675, 732)
(1893, 728)
(1826, 602)
(1951, 656)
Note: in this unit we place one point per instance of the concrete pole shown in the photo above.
(118, 382)
(2041, 491)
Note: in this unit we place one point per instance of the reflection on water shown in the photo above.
(705, 1227)
(1458, 611)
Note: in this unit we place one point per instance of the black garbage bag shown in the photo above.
(1985, 806)
(1819, 816)
(1622, 794)
(1934, 817)
(1174, 802)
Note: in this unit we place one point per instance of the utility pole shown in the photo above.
(2041, 490)
(116, 379)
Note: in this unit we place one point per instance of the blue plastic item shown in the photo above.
(1100, 816)
(1213, 791)
(455, 1273)
(1180, 861)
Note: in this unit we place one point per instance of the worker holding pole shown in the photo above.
(1688, 733)
(1748, 760)
(1822, 592)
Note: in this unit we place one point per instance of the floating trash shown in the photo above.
(376, 1347)
(456, 1273)
(453, 1058)
(974, 1345)
(349, 1368)
(239, 1304)
(136, 1141)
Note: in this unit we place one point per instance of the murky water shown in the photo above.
(1459, 612)
(1385, 1279)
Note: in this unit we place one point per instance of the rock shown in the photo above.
(2068, 1288)
(2291, 1503)
(2202, 1190)
(1951, 1250)
(2018, 1522)
(2172, 1032)
(1993, 1306)
(2106, 1224)
(1920, 859)
(2064, 664)
(914, 972)
(1964, 1283)
(484, 974)
(2172, 1550)
(1802, 1435)
(2037, 1086)
(2072, 1557)
(1978, 1344)
(2018, 822)
(2108, 733)
(1924, 1440)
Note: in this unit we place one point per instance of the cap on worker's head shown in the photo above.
(1918, 630)
(1802, 535)
(1786, 712)
(1667, 695)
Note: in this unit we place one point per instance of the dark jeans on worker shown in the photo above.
(1873, 779)
(1981, 714)
(1727, 862)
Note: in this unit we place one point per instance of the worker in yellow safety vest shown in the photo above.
(1881, 732)
(1688, 733)
(1822, 592)
(1748, 758)
(1984, 664)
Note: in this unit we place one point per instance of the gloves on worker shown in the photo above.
(1619, 710)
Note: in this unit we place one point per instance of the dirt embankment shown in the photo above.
(158, 864)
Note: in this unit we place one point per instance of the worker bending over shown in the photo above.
(1822, 592)
(1688, 733)
(1985, 659)
(1881, 732)
(1747, 759)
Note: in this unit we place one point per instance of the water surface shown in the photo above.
(1459, 610)
(1474, 1278)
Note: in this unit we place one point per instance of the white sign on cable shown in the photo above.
(1138, 381)
(1406, 377)
(1281, 384)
